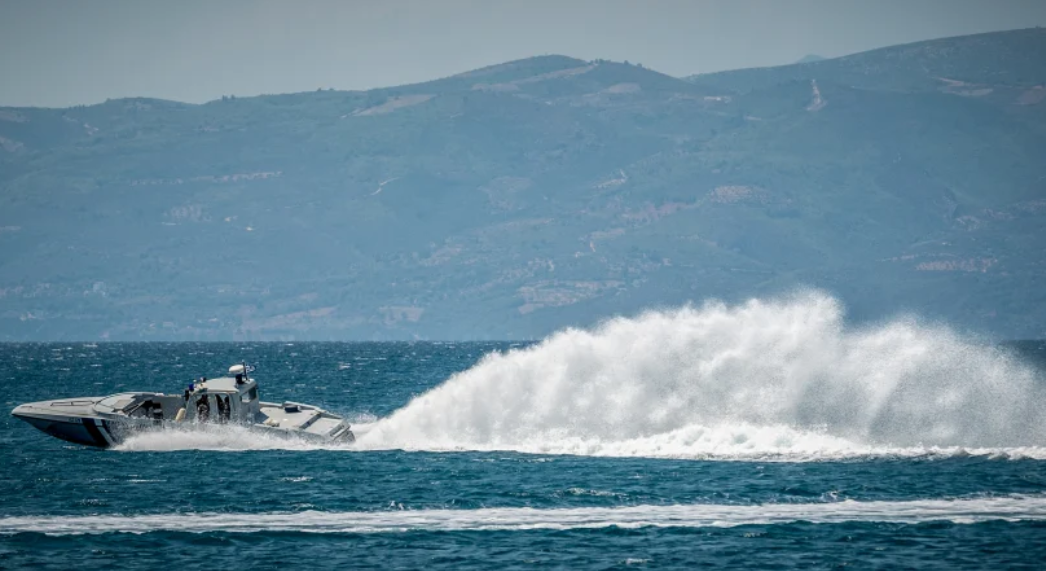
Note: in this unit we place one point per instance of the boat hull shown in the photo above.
(93, 430)
(88, 431)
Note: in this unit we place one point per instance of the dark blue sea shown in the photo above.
(699, 438)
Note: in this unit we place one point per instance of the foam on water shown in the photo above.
(782, 379)
(216, 437)
(961, 511)
(231, 437)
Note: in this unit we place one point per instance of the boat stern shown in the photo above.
(306, 421)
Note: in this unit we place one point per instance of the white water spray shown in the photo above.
(783, 378)
(216, 437)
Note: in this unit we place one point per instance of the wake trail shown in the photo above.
(959, 511)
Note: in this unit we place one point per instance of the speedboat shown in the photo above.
(107, 421)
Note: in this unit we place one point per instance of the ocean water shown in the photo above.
(765, 435)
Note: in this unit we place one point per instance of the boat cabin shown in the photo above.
(225, 399)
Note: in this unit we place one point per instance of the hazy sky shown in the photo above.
(64, 52)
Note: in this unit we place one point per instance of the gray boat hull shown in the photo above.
(88, 431)
(109, 420)
(78, 423)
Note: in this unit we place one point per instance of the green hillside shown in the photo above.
(512, 200)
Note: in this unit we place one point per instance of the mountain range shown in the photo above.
(513, 200)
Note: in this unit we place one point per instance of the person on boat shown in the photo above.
(223, 408)
(203, 410)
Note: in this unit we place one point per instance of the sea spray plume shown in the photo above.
(764, 377)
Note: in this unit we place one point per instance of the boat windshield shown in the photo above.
(116, 402)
